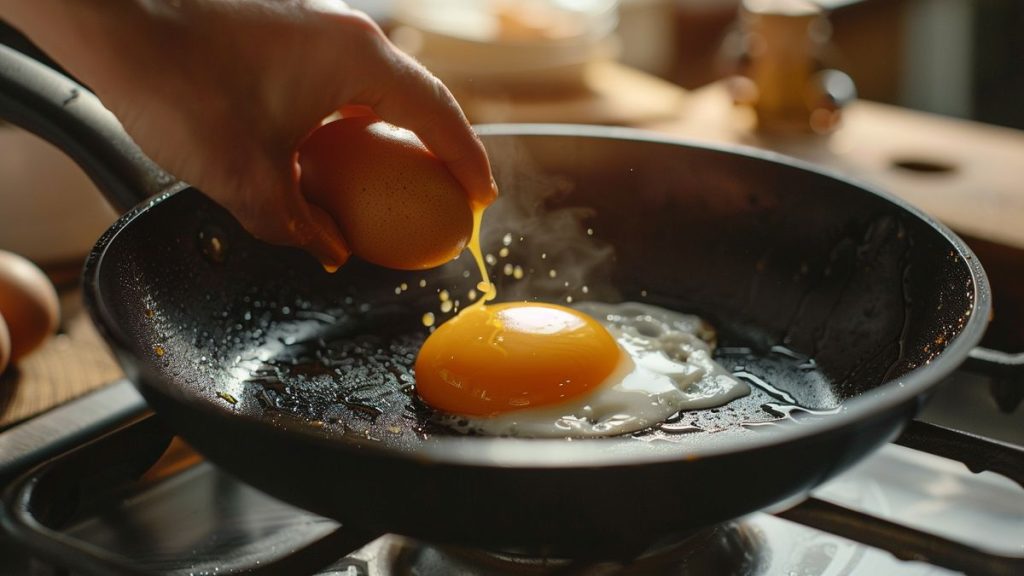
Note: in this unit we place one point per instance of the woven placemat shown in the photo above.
(71, 363)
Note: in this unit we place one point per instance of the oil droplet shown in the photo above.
(543, 255)
(423, 283)
(552, 273)
(398, 289)
(446, 306)
(503, 252)
(403, 286)
(159, 350)
(471, 294)
(227, 398)
(585, 289)
(490, 259)
(590, 231)
(212, 245)
(568, 299)
(643, 293)
(444, 296)
(517, 272)
(428, 319)
(507, 239)
(508, 269)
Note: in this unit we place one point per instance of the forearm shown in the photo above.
(84, 36)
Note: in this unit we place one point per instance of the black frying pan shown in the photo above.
(298, 381)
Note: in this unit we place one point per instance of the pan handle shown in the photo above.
(69, 116)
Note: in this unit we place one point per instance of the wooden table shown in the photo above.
(969, 175)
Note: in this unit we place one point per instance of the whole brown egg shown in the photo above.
(28, 304)
(396, 203)
(5, 345)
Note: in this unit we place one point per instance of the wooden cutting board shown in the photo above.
(966, 174)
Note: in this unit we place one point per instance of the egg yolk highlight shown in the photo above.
(494, 359)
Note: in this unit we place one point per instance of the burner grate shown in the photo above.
(72, 512)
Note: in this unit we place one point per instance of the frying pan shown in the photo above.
(842, 305)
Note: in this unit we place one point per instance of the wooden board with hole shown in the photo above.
(966, 174)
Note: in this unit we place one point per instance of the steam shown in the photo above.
(535, 252)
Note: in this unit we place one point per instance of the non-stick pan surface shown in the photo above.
(841, 305)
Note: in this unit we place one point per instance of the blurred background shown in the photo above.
(962, 58)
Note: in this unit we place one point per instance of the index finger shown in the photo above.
(415, 99)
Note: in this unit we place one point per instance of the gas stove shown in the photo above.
(123, 496)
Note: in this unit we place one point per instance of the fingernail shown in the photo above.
(332, 263)
(487, 198)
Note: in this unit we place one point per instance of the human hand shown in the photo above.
(222, 92)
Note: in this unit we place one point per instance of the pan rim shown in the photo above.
(558, 453)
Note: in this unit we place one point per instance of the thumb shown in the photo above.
(312, 228)
(418, 101)
(325, 242)
(268, 203)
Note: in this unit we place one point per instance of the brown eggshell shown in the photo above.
(396, 203)
(5, 345)
(28, 303)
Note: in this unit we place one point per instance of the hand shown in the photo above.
(222, 92)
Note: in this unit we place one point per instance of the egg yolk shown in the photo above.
(492, 359)
(503, 357)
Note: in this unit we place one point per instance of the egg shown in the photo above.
(541, 370)
(396, 203)
(28, 304)
(5, 345)
(492, 359)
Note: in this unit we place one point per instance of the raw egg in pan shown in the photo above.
(542, 370)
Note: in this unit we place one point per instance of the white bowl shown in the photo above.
(504, 44)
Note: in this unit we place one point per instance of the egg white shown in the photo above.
(665, 367)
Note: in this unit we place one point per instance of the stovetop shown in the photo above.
(183, 515)
(199, 517)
